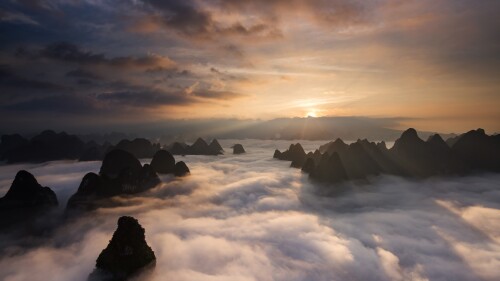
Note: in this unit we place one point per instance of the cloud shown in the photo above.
(71, 53)
(82, 73)
(69, 104)
(217, 95)
(250, 217)
(145, 98)
(189, 19)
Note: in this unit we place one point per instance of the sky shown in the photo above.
(251, 217)
(76, 63)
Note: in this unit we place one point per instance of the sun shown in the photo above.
(312, 113)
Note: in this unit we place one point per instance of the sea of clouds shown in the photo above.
(252, 217)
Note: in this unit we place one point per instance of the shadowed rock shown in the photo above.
(479, 151)
(238, 149)
(163, 162)
(46, 146)
(11, 142)
(126, 255)
(410, 156)
(330, 169)
(121, 173)
(199, 147)
(295, 153)
(118, 160)
(26, 192)
(215, 148)
(140, 148)
(181, 169)
(178, 148)
(309, 166)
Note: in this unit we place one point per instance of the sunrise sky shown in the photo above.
(435, 64)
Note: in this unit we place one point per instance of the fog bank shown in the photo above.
(251, 217)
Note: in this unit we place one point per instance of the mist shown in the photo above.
(252, 217)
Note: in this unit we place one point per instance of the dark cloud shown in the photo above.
(82, 73)
(67, 104)
(145, 98)
(189, 19)
(71, 53)
(10, 82)
(218, 95)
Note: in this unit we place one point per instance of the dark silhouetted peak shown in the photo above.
(118, 160)
(127, 252)
(381, 145)
(91, 183)
(25, 191)
(309, 165)
(181, 169)
(409, 140)
(200, 143)
(11, 142)
(297, 154)
(199, 147)
(163, 162)
(178, 148)
(139, 147)
(238, 149)
(478, 150)
(297, 149)
(330, 169)
(277, 154)
(409, 134)
(437, 143)
(215, 147)
(47, 135)
(335, 146)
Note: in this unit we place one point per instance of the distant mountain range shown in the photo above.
(309, 128)
(411, 156)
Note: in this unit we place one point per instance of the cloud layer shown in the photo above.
(250, 217)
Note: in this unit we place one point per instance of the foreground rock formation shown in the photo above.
(199, 147)
(238, 149)
(25, 193)
(25, 201)
(126, 255)
(410, 156)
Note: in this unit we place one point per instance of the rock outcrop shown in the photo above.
(121, 173)
(127, 254)
(181, 169)
(199, 147)
(140, 148)
(295, 153)
(238, 149)
(46, 146)
(215, 147)
(26, 193)
(163, 162)
(410, 156)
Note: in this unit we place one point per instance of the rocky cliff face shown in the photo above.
(238, 149)
(127, 253)
(121, 173)
(410, 156)
(199, 147)
(26, 192)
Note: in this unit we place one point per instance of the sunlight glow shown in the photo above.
(312, 113)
